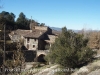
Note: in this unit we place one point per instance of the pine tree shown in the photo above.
(70, 50)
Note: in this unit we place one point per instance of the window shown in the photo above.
(33, 46)
(35, 39)
(28, 40)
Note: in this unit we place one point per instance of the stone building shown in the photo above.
(35, 39)
(38, 38)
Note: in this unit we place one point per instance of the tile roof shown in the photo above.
(20, 32)
(51, 38)
(28, 33)
(35, 33)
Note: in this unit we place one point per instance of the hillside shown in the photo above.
(59, 29)
(91, 69)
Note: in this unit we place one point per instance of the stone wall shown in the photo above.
(44, 52)
(52, 38)
(33, 43)
(41, 27)
(41, 44)
(29, 55)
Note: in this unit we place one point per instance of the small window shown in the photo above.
(28, 40)
(35, 39)
(33, 46)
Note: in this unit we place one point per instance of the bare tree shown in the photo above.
(94, 40)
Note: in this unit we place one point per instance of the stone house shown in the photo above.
(35, 39)
(38, 38)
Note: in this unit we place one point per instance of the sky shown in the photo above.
(74, 14)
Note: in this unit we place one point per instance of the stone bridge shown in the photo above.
(44, 52)
(34, 56)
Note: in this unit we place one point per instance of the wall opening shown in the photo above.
(33, 46)
(29, 56)
(41, 58)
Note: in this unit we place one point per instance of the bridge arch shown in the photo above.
(41, 54)
(44, 52)
(40, 58)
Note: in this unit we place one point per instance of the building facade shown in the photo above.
(38, 40)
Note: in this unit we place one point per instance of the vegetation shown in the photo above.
(94, 40)
(22, 21)
(7, 19)
(70, 50)
(14, 56)
(93, 36)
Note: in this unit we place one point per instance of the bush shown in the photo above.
(70, 50)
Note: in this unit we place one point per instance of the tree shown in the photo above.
(42, 24)
(8, 16)
(94, 40)
(8, 19)
(70, 50)
(13, 55)
(22, 21)
(93, 36)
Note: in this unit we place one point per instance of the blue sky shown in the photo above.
(74, 14)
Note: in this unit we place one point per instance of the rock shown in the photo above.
(82, 71)
(96, 72)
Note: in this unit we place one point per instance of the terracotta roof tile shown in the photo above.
(35, 33)
(20, 32)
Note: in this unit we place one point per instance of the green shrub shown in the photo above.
(70, 50)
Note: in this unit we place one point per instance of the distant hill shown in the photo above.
(59, 29)
(56, 28)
